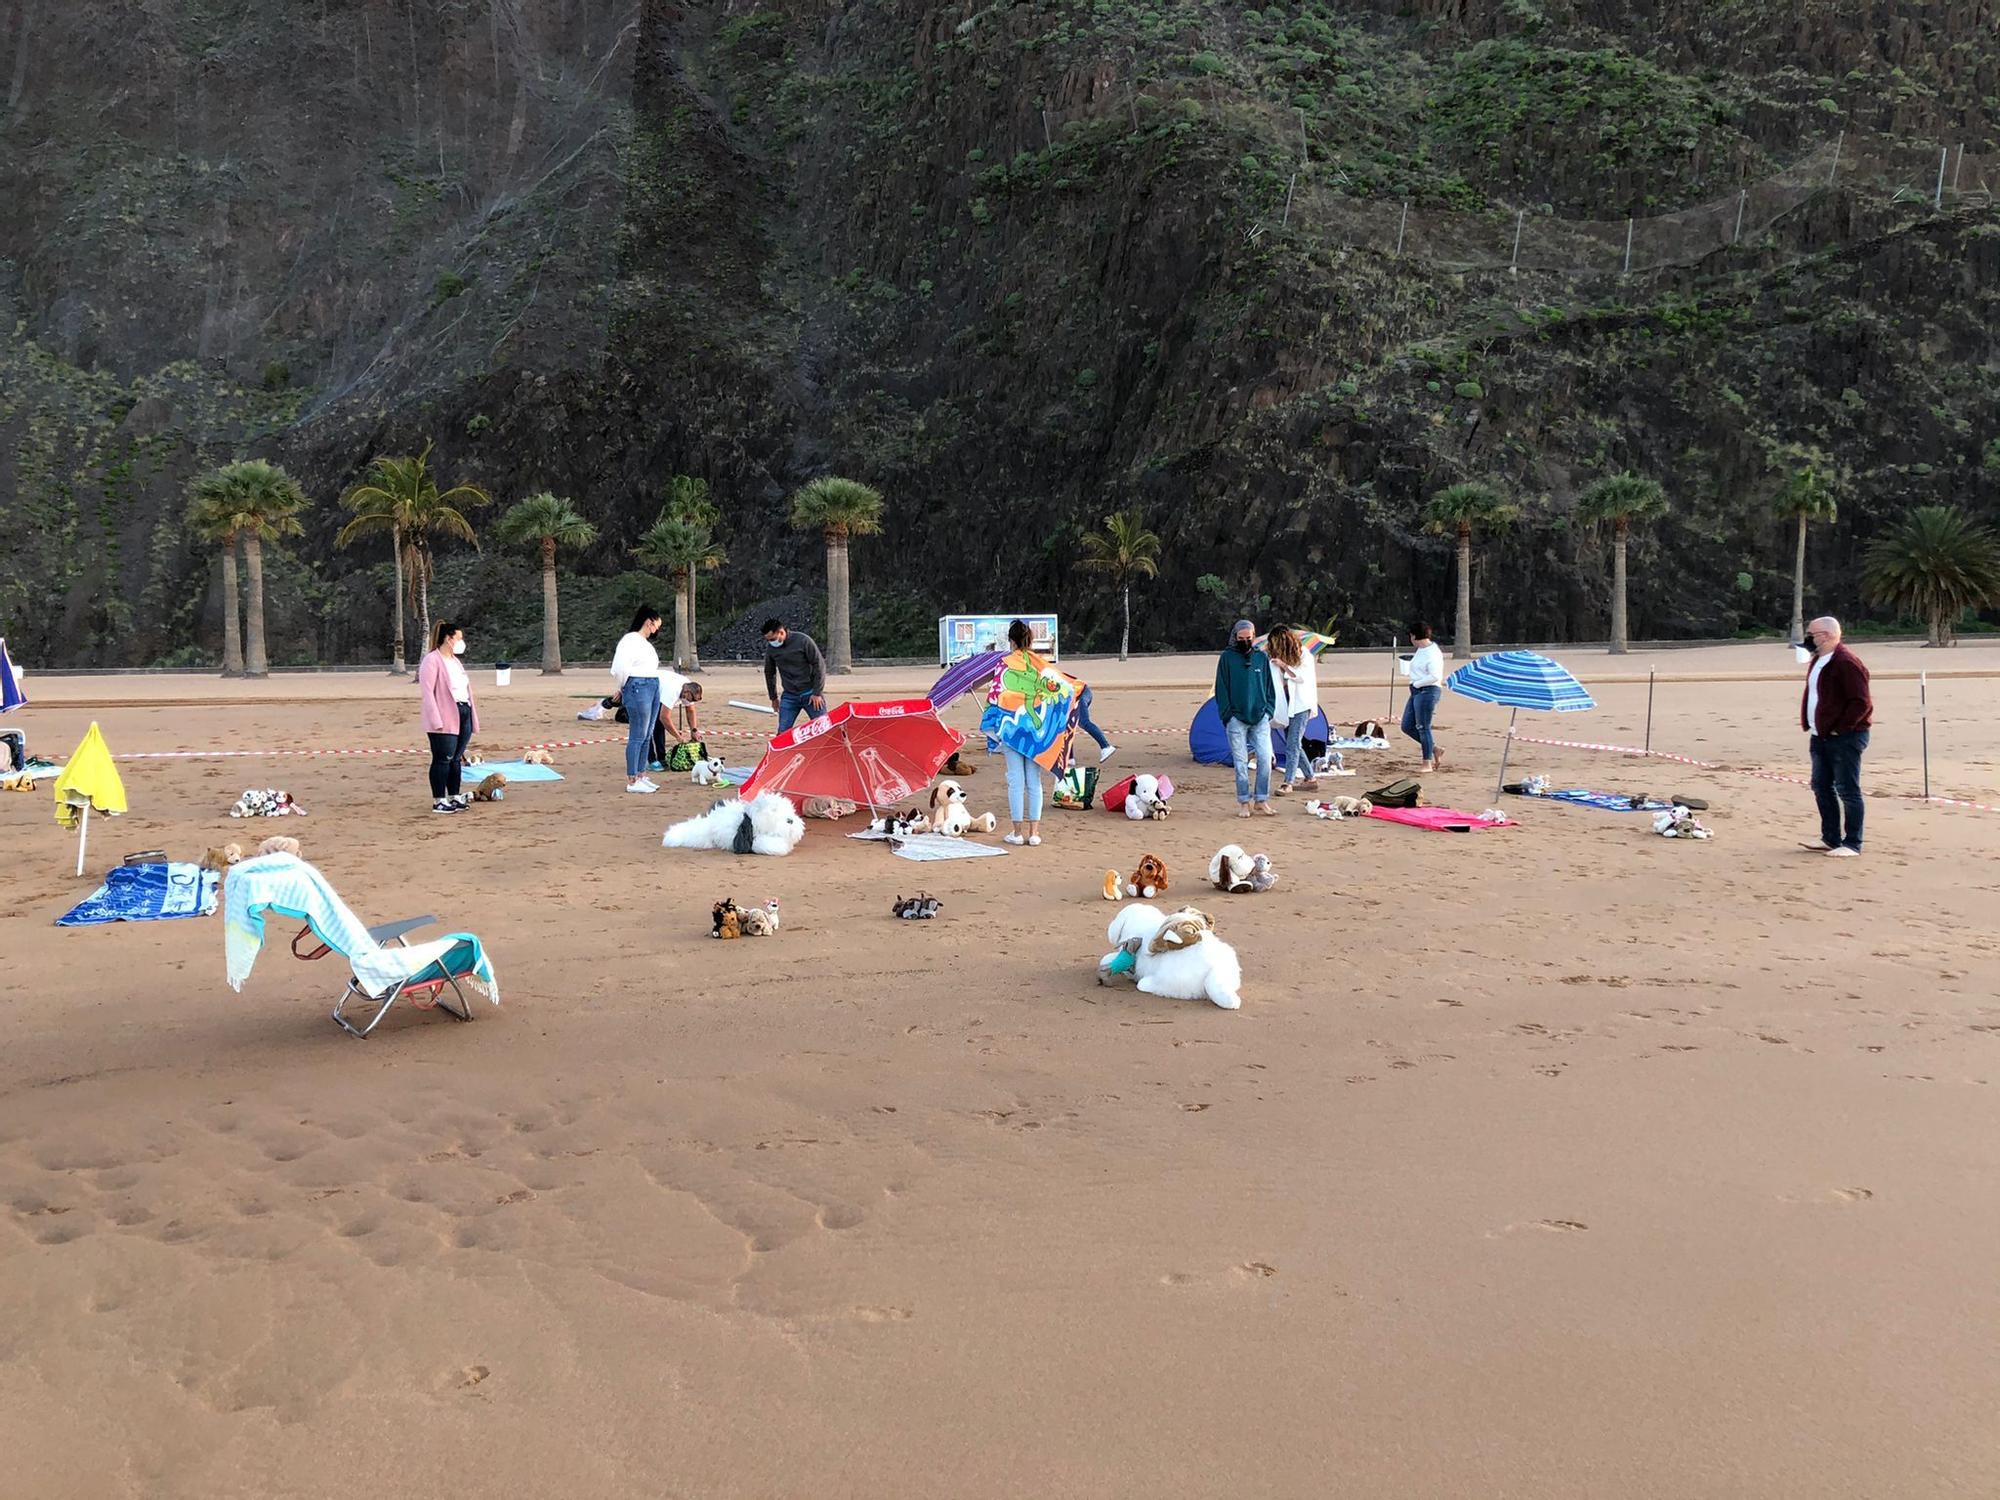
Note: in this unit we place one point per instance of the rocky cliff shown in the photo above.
(1017, 265)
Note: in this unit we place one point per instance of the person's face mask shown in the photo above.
(1243, 648)
(458, 648)
(1811, 643)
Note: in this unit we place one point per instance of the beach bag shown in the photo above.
(682, 756)
(1402, 792)
(1076, 788)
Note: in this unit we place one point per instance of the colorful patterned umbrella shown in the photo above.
(963, 677)
(876, 753)
(11, 696)
(1311, 640)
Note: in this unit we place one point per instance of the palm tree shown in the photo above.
(1807, 495)
(688, 500)
(681, 549)
(1458, 509)
(1936, 565)
(252, 501)
(401, 497)
(838, 509)
(547, 521)
(214, 519)
(1620, 499)
(1126, 550)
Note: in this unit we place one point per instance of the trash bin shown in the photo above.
(503, 673)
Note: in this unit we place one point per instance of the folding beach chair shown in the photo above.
(423, 989)
(383, 965)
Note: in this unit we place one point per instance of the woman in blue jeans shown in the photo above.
(1019, 683)
(1425, 668)
(635, 668)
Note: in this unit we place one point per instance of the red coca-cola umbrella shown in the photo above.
(872, 753)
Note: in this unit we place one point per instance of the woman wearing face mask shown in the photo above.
(449, 715)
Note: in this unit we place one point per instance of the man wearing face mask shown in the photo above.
(1836, 712)
(1245, 700)
(792, 662)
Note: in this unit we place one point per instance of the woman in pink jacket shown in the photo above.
(449, 715)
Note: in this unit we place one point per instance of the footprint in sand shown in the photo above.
(472, 1375)
(1256, 1268)
(883, 1314)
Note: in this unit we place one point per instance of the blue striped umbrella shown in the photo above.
(963, 676)
(1518, 680)
(11, 696)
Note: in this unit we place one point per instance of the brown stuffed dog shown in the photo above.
(223, 858)
(1149, 879)
(490, 788)
(536, 758)
(728, 920)
(278, 843)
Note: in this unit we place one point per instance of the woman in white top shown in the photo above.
(1295, 691)
(1424, 666)
(449, 716)
(635, 668)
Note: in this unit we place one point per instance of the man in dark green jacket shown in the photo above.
(1245, 698)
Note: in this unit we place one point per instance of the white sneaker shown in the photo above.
(642, 786)
(1105, 754)
(649, 784)
(1012, 838)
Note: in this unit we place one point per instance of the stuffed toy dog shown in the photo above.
(1184, 960)
(767, 824)
(1340, 807)
(1128, 930)
(728, 921)
(536, 758)
(268, 803)
(1145, 799)
(1231, 870)
(1148, 880)
(900, 824)
(277, 843)
(1262, 876)
(957, 767)
(756, 922)
(223, 858)
(827, 807)
(1678, 823)
(949, 814)
(1370, 729)
(918, 908)
(492, 788)
(707, 772)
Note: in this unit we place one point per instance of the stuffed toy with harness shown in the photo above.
(492, 788)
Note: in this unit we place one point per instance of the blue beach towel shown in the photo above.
(1603, 801)
(516, 771)
(146, 893)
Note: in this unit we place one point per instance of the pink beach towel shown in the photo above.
(1437, 819)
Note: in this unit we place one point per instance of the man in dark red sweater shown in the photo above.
(1836, 711)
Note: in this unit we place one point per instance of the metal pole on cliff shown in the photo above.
(1628, 248)
(1649, 710)
(1937, 198)
(1742, 198)
(1924, 718)
(1401, 225)
(1520, 217)
(1960, 167)
(1392, 680)
(1838, 142)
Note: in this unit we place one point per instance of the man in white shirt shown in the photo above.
(1424, 666)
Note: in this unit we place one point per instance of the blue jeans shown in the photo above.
(1245, 741)
(791, 705)
(1295, 733)
(1417, 715)
(641, 699)
(1086, 723)
(1836, 784)
(1024, 787)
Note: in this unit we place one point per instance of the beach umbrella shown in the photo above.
(11, 696)
(1310, 640)
(1518, 680)
(89, 779)
(962, 677)
(874, 753)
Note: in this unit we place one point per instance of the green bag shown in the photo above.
(682, 756)
(1076, 788)
(1402, 792)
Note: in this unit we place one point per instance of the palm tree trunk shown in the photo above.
(232, 614)
(551, 630)
(1125, 640)
(423, 571)
(694, 635)
(1799, 585)
(681, 590)
(838, 631)
(1461, 646)
(255, 663)
(1618, 622)
(400, 664)
(1937, 628)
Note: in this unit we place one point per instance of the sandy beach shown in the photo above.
(1553, 1161)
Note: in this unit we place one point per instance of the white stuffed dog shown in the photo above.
(707, 772)
(949, 815)
(767, 824)
(1127, 932)
(1185, 960)
(1144, 799)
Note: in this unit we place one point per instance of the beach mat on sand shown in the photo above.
(1437, 819)
(516, 772)
(1603, 801)
(146, 893)
(929, 846)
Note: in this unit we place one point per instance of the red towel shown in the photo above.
(1437, 819)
